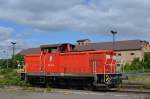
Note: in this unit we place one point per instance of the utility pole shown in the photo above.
(13, 56)
(5, 53)
(113, 33)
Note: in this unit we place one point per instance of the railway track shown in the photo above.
(131, 91)
(133, 88)
(72, 90)
(114, 90)
(141, 91)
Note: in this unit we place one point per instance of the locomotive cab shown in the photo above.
(107, 77)
(57, 48)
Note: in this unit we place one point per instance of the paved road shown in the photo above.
(68, 95)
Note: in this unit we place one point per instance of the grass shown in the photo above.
(147, 97)
(37, 89)
(146, 86)
(9, 77)
(48, 89)
(137, 81)
(139, 78)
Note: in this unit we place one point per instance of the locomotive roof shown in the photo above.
(50, 45)
(54, 45)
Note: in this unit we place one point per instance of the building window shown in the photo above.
(119, 54)
(118, 65)
(132, 53)
(44, 51)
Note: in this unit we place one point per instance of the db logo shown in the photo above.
(50, 58)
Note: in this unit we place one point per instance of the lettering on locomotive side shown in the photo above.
(51, 65)
(50, 58)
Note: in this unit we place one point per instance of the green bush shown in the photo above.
(147, 60)
(12, 63)
(5, 71)
(9, 77)
(138, 65)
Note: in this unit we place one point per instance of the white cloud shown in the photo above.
(5, 37)
(129, 17)
(5, 33)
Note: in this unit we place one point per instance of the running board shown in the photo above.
(99, 85)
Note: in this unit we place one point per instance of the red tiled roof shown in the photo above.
(30, 51)
(119, 45)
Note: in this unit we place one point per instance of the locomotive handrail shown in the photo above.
(44, 64)
(94, 71)
(111, 65)
(40, 61)
(104, 69)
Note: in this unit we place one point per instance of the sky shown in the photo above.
(31, 23)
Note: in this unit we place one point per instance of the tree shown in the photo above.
(139, 65)
(19, 59)
(136, 65)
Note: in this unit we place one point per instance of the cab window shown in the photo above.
(52, 50)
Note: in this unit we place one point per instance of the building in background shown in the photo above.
(126, 51)
(83, 42)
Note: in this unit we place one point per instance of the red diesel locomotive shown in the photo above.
(61, 64)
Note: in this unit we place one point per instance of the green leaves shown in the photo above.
(9, 77)
(10, 63)
(139, 65)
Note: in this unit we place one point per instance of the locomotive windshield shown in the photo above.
(52, 50)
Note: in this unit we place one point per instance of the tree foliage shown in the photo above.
(12, 63)
(147, 60)
(139, 65)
